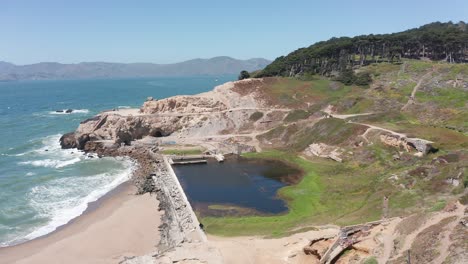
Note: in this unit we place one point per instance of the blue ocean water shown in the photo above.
(42, 186)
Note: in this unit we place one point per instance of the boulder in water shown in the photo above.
(68, 141)
(68, 111)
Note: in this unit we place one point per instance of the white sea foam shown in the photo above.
(50, 163)
(65, 199)
(61, 199)
(14, 155)
(51, 155)
(124, 107)
(75, 111)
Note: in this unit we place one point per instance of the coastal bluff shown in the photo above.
(344, 143)
(223, 111)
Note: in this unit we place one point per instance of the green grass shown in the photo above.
(405, 200)
(439, 205)
(303, 200)
(371, 260)
(362, 106)
(378, 69)
(296, 115)
(273, 133)
(446, 97)
(419, 66)
(325, 195)
(352, 192)
(453, 71)
(294, 92)
(331, 131)
(443, 138)
(182, 152)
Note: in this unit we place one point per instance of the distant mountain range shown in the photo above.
(89, 70)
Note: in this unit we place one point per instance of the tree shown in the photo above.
(244, 75)
(347, 77)
(363, 79)
(435, 41)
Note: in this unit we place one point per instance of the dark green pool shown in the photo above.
(237, 186)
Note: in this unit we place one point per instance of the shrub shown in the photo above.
(256, 116)
(371, 260)
(363, 79)
(244, 75)
(348, 77)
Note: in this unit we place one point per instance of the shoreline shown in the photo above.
(119, 224)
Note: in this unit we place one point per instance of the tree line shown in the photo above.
(335, 57)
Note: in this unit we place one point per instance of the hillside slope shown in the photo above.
(436, 41)
(392, 155)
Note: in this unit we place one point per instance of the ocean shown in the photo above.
(42, 186)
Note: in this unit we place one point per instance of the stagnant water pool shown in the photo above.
(238, 186)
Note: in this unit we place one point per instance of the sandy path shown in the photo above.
(445, 243)
(435, 219)
(412, 98)
(136, 112)
(274, 251)
(122, 225)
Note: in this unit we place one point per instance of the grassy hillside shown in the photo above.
(352, 191)
(337, 56)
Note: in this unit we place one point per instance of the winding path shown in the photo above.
(412, 98)
(136, 112)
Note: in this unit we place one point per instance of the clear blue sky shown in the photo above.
(171, 31)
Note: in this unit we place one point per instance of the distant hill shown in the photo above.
(87, 70)
(436, 41)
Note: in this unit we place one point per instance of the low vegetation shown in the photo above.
(352, 191)
(255, 116)
(296, 115)
(317, 199)
(182, 152)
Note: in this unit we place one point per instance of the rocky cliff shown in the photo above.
(223, 111)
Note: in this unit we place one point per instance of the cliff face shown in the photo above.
(224, 110)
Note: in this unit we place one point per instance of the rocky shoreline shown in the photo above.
(153, 174)
(233, 118)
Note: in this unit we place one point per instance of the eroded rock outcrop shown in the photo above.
(324, 151)
(221, 111)
(422, 146)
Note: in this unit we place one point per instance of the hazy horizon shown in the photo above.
(137, 62)
(166, 32)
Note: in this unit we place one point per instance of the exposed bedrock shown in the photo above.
(116, 129)
(421, 145)
(224, 110)
(72, 140)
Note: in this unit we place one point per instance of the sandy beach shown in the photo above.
(119, 225)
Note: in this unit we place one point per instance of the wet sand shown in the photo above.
(119, 225)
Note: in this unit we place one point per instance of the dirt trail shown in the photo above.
(412, 97)
(435, 219)
(445, 243)
(136, 112)
(349, 116)
(388, 246)
(370, 127)
(402, 69)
